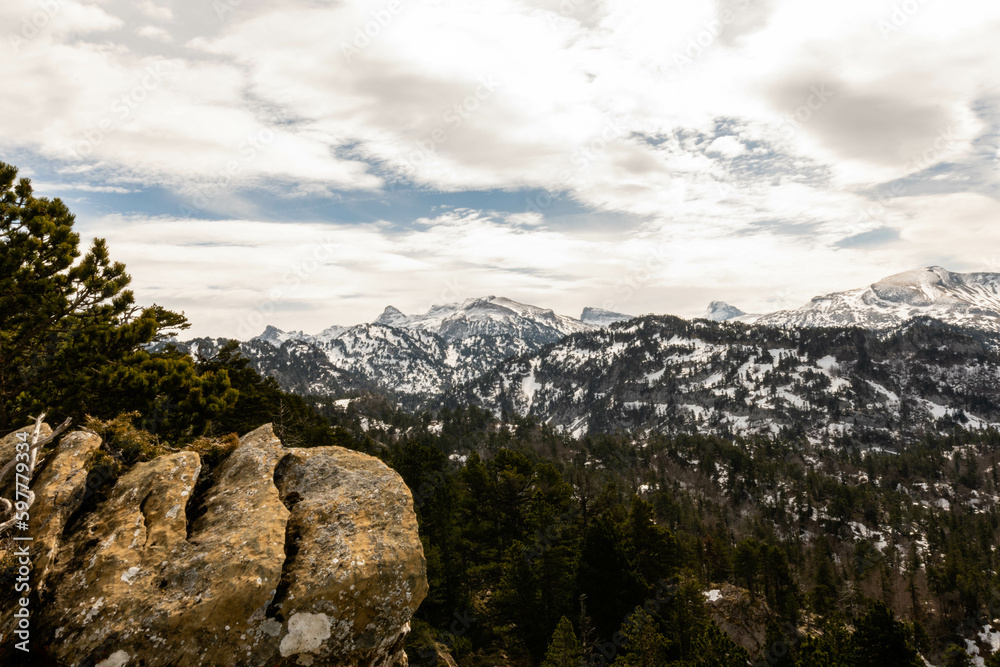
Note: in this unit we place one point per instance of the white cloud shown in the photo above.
(727, 145)
(223, 272)
(45, 189)
(752, 136)
(155, 33)
(154, 11)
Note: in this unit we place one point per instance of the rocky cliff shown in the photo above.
(283, 557)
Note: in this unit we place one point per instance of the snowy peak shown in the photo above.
(328, 334)
(414, 357)
(271, 334)
(720, 311)
(937, 286)
(276, 336)
(963, 299)
(602, 318)
(489, 315)
(391, 317)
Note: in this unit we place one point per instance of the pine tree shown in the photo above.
(832, 648)
(564, 650)
(955, 656)
(718, 650)
(72, 338)
(778, 647)
(881, 641)
(606, 574)
(645, 645)
(655, 548)
(587, 633)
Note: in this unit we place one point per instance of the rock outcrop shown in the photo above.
(8, 447)
(285, 557)
(741, 616)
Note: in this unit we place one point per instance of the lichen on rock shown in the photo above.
(289, 557)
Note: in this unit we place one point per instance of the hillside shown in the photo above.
(663, 374)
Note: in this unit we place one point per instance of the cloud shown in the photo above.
(154, 32)
(81, 187)
(879, 236)
(742, 17)
(152, 10)
(728, 146)
(756, 139)
(877, 122)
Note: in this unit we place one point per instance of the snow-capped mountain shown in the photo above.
(720, 311)
(898, 375)
(602, 318)
(414, 358)
(488, 316)
(669, 374)
(963, 299)
(276, 336)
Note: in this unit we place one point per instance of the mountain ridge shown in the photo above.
(453, 349)
(667, 374)
(412, 358)
(962, 299)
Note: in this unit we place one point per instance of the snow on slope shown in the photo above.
(418, 356)
(963, 299)
(487, 316)
(720, 311)
(669, 375)
(602, 318)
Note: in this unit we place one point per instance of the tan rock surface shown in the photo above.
(359, 568)
(8, 447)
(60, 488)
(151, 577)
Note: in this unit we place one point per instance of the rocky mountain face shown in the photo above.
(279, 557)
(602, 318)
(962, 299)
(720, 311)
(414, 359)
(669, 374)
(607, 371)
(488, 316)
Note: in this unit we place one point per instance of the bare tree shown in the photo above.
(24, 462)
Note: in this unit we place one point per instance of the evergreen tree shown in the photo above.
(655, 548)
(832, 648)
(645, 645)
(777, 647)
(956, 656)
(718, 650)
(71, 337)
(564, 650)
(606, 575)
(881, 641)
(261, 401)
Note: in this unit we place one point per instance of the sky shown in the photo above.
(306, 163)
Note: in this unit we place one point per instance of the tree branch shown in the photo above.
(35, 445)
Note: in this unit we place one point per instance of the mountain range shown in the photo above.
(962, 299)
(916, 347)
(666, 374)
(411, 358)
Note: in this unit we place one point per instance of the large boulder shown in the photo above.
(283, 557)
